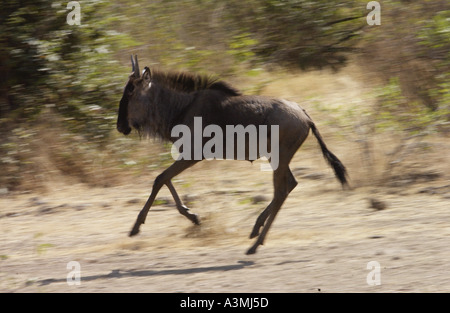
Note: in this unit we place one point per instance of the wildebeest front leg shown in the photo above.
(180, 206)
(173, 170)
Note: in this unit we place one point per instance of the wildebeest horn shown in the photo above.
(135, 66)
(137, 73)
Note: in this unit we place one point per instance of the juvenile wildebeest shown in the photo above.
(155, 102)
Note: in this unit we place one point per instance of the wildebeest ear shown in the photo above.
(146, 75)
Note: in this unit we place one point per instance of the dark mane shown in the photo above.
(187, 82)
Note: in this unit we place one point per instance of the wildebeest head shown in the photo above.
(133, 96)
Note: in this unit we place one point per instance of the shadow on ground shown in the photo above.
(146, 273)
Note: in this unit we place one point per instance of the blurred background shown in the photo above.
(382, 90)
(71, 185)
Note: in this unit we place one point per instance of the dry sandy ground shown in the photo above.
(322, 239)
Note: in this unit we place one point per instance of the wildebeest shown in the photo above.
(154, 102)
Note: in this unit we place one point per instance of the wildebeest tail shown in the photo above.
(338, 167)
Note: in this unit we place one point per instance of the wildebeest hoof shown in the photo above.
(194, 218)
(254, 233)
(252, 250)
(134, 231)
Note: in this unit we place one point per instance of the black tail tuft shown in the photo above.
(338, 167)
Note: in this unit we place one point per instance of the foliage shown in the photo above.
(210, 34)
(72, 75)
(300, 33)
(412, 47)
(435, 37)
(395, 112)
(59, 87)
(241, 47)
(48, 63)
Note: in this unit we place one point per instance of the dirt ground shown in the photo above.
(322, 240)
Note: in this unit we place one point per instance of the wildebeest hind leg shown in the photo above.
(265, 214)
(284, 182)
(260, 221)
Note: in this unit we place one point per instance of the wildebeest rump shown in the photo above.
(154, 102)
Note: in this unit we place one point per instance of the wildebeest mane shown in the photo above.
(188, 82)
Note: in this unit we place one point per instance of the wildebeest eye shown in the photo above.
(130, 88)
